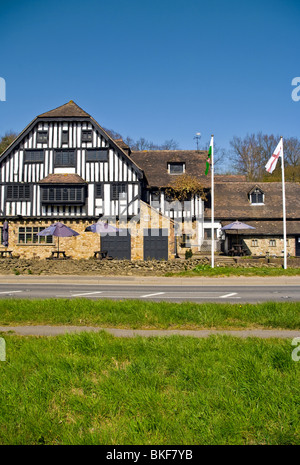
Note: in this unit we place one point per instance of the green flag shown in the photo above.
(208, 157)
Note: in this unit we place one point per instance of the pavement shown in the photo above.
(154, 280)
(49, 330)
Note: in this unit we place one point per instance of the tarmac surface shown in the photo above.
(49, 330)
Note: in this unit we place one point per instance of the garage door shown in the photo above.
(156, 244)
(118, 246)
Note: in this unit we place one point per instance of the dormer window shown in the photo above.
(176, 167)
(256, 196)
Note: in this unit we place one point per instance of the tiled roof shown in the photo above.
(232, 201)
(60, 178)
(70, 109)
(154, 163)
(266, 228)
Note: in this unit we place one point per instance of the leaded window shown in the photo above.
(64, 158)
(18, 192)
(119, 190)
(34, 156)
(96, 155)
(63, 194)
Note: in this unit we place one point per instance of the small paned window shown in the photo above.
(65, 136)
(176, 168)
(28, 235)
(98, 191)
(18, 192)
(257, 197)
(118, 191)
(87, 135)
(254, 243)
(64, 158)
(42, 137)
(96, 155)
(63, 195)
(34, 156)
(272, 243)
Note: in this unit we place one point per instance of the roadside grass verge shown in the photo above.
(137, 314)
(97, 389)
(206, 270)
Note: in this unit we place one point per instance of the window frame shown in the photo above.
(36, 151)
(101, 152)
(115, 190)
(42, 136)
(172, 164)
(98, 185)
(85, 133)
(59, 197)
(65, 165)
(40, 240)
(26, 194)
(65, 136)
(257, 192)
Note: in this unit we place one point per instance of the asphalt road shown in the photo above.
(155, 292)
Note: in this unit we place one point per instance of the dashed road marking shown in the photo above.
(150, 295)
(228, 295)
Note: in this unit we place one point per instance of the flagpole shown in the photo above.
(284, 210)
(212, 206)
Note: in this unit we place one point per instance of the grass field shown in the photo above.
(146, 315)
(97, 389)
(93, 388)
(207, 270)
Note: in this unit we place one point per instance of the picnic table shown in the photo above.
(102, 255)
(237, 250)
(58, 254)
(6, 253)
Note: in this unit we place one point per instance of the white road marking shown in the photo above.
(228, 295)
(150, 295)
(86, 293)
(78, 295)
(9, 292)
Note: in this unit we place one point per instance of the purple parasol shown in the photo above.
(58, 230)
(5, 234)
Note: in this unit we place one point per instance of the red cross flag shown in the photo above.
(278, 152)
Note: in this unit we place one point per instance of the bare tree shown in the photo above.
(250, 154)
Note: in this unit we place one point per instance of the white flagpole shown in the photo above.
(212, 206)
(283, 207)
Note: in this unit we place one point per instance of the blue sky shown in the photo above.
(159, 69)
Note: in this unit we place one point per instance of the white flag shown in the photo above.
(278, 152)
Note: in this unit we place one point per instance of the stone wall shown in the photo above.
(264, 247)
(84, 245)
(94, 267)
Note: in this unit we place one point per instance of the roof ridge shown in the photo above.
(67, 109)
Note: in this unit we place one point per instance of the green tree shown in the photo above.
(6, 140)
